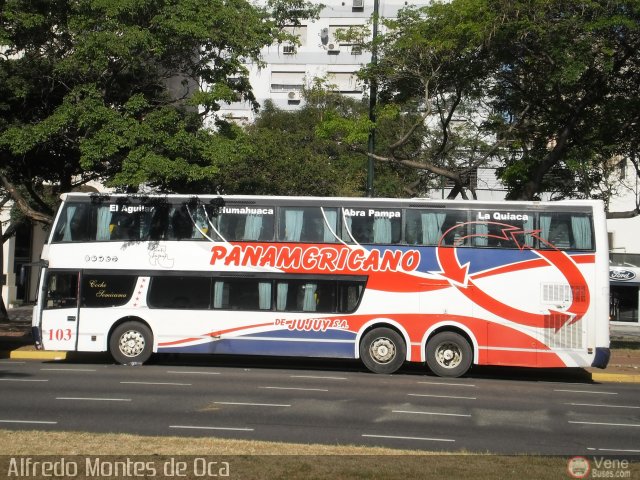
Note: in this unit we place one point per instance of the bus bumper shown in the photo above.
(37, 340)
(602, 357)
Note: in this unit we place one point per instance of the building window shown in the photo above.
(298, 31)
(345, 82)
(287, 81)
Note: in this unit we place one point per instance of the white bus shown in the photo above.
(447, 283)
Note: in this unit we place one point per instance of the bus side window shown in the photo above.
(307, 224)
(73, 224)
(240, 294)
(248, 227)
(180, 292)
(101, 291)
(424, 227)
(454, 229)
(324, 296)
(559, 235)
(566, 231)
(181, 225)
(158, 224)
(62, 290)
(123, 227)
(349, 295)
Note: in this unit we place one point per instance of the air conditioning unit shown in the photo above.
(294, 96)
(289, 49)
(324, 35)
(333, 48)
(358, 3)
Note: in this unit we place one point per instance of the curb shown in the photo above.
(56, 355)
(615, 377)
(34, 355)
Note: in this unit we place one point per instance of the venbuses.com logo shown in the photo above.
(578, 467)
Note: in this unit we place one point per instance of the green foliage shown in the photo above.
(285, 154)
(544, 89)
(116, 90)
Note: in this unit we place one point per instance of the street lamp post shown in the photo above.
(372, 102)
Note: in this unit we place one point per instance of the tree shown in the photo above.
(429, 74)
(282, 153)
(546, 89)
(575, 66)
(117, 91)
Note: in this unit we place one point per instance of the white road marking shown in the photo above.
(440, 396)
(295, 388)
(607, 424)
(318, 377)
(410, 438)
(193, 373)
(195, 427)
(38, 422)
(449, 384)
(600, 405)
(587, 391)
(253, 404)
(433, 413)
(22, 380)
(612, 450)
(68, 370)
(158, 383)
(95, 399)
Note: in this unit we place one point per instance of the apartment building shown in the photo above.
(320, 54)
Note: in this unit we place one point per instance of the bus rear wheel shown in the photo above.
(449, 354)
(383, 350)
(131, 343)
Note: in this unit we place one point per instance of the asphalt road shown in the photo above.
(488, 411)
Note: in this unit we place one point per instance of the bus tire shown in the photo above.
(131, 343)
(383, 350)
(449, 354)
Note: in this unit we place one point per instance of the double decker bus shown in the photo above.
(447, 283)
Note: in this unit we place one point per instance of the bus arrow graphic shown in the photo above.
(458, 276)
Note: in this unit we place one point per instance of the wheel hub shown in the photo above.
(132, 343)
(383, 350)
(448, 355)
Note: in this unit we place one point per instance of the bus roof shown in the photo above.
(329, 201)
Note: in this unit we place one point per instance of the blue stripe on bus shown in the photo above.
(480, 259)
(269, 347)
(320, 336)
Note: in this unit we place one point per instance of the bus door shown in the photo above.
(59, 317)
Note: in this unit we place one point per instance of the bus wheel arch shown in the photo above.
(382, 348)
(131, 341)
(449, 351)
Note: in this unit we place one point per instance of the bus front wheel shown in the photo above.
(383, 350)
(449, 354)
(131, 343)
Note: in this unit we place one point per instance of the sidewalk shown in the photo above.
(16, 342)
